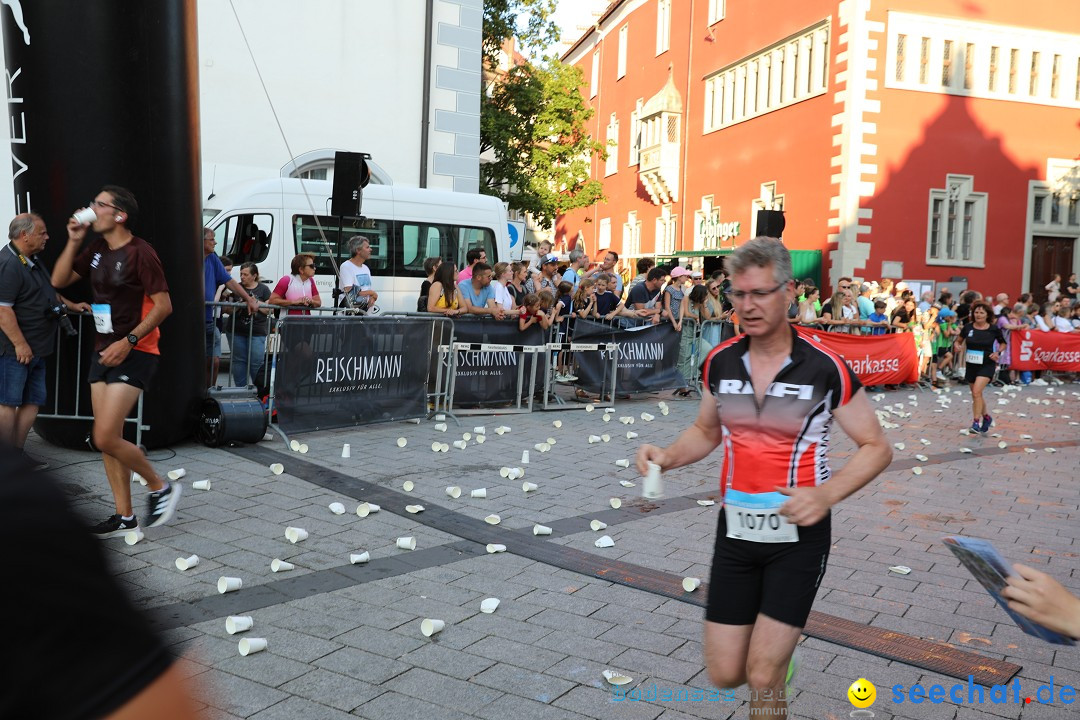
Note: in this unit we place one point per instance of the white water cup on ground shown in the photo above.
(453, 491)
(690, 584)
(615, 503)
(539, 446)
(201, 484)
(593, 439)
(647, 417)
(504, 471)
(528, 486)
(445, 447)
(557, 423)
(402, 442)
(436, 447)
(481, 439)
(346, 451)
(541, 530)
(524, 457)
(493, 519)
(86, 216)
(337, 508)
(295, 534)
(590, 407)
(466, 436)
(489, 605)
(413, 509)
(551, 441)
(365, 509)
(654, 486)
(134, 536)
(441, 427)
(605, 437)
(408, 485)
(229, 584)
(478, 493)
(406, 543)
(631, 435)
(238, 623)
(495, 548)
(187, 563)
(177, 474)
(277, 468)
(604, 541)
(430, 626)
(460, 444)
(294, 445)
(514, 474)
(136, 477)
(624, 463)
(597, 525)
(277, 565)
(359, 558)
(304, 448)
(250, 646)
(480, 430)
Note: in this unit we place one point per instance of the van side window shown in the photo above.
(245, 237)
(419, 241)
(469, 238)
(308, 239)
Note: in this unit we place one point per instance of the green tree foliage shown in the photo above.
(533, 117)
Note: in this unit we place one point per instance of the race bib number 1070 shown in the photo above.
(756, 517)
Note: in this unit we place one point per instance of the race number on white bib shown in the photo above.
(102, 318)
(974, 357)
(756, 517)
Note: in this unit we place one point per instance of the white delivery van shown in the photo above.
(270, 221)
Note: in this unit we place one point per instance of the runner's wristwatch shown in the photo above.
(133, 339)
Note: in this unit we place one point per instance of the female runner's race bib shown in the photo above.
(756, 517)
(974, 357)
(102, 318)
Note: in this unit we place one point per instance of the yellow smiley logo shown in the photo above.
(862, 693)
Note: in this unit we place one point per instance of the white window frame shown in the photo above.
(663, 26)
(594, 81)
(1022, 58)
(624, 39)
(665, 231)
(636, 131)
(955, 196)
(781, 75)
(717, 11)
(611, 165)
(631, 240)
(603, 235)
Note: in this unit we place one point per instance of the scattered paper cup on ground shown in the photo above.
(229, 584)
(489, 605)
(134, 536)
(524, 457)
(441, 427)
(337, 508)
(493, 519)
(899, 446)
(615, 503)
(277, 565)
(187, 563)
(460, 444)
(624, 463)
(590, 407)
(408, 485)
(250, 646)
(466, 436)
(201, 484)
(454, 491)
(605, 437)
(631, 435)
(597, 525)
(365, 509)
(445, 447)
(440, 418)
(294, 445)
(917, 470)
(414, 509)
(406, 543)
(430, 626)
(436, 447)
(402, 442)
(706, 503)
(346, 451)
(495, 548)
(541, 530)
(177, 474)
(277, 468)
(238, 623)
(593, 439)
(359, 558)
(921, 458)
(647, 417)
(304, 448)
(1003, 444)
(478, 493)
(900, 569)
(626, 483)
(528, 486)
(617, 678)
(295, 534)
(604, 541)
(557, 423)
(480, 430)
(690, 584)
(514, 474)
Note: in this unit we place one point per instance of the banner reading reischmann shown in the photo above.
(647, 357)
(489, 377)
(343, 370)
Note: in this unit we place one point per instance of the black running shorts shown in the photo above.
(136, 370)
(776, 579)
(984, 369)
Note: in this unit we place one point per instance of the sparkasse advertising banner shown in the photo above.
(875, 359)
(1038, 350)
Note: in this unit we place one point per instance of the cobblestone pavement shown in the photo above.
(344, 640)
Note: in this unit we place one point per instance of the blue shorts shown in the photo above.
(22, 384)
(213, 342)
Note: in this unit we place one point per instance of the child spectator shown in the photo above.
(879, 318)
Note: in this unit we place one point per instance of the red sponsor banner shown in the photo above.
(876, 359)
(1038, 350)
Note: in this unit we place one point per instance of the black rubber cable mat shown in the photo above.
(925, 654)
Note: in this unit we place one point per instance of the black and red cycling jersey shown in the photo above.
(784, 442)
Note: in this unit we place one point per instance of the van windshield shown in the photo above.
(309, 240)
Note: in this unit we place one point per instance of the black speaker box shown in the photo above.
(770, 223)
(351, 176)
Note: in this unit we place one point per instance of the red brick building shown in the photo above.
(915, 140)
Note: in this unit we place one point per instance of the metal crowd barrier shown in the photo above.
(607, 397)
(70, 387)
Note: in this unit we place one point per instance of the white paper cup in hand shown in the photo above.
(295, 534)
(406, 543)
(187, 563)
(277, 468)
(430, 626)
(201, 484)
(277, 565)
(229, 584)
(337, 508)
(177, 474)
(690, 584)
(359, 558)
(489, 605)
(365, 509)
(250, 646)
(479, 493)
(238, 623)
(528, 486)
(541, 530)
(85, 216)
(654, 486)
(454, 491)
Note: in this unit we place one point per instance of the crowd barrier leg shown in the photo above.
(554, 348)
(521, 350)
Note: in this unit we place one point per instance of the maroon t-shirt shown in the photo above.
(124, 279)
